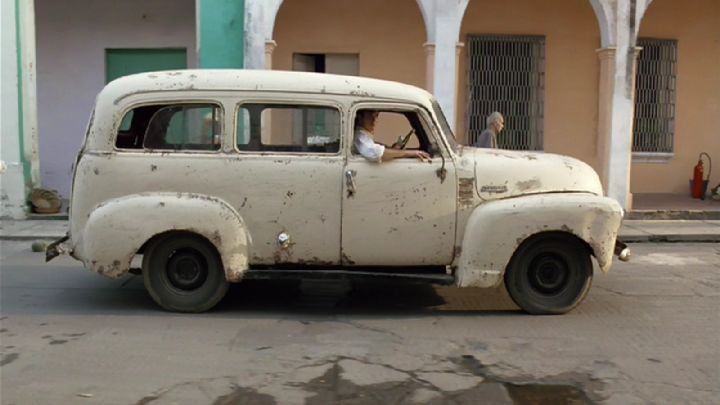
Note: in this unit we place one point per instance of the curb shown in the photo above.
(692, 215)
(31, 237)
(698, 238)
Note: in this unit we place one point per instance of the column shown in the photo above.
(622, 113)
(269, 49)
(19, 160)
(28, 91)
(442, 24)
(429, 65)
(605, 91)
(445, 69)
(619, 22)
(220, 33)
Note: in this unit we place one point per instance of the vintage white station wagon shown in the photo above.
(216, 176)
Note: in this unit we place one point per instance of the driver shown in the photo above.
(365, 145)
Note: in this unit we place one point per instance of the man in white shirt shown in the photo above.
(375, 152)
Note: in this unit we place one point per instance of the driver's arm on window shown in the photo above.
(376, 152)
(390, 154)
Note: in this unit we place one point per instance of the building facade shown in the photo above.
(629, 86)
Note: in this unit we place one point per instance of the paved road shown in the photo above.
(649, 332)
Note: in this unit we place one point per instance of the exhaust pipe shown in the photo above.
(622, 251)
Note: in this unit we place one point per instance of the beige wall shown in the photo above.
(571, 65)
(695, 24)
(388, 35)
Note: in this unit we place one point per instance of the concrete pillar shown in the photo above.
(442, 24)
(269, 49)
(260, 21)
(28, 77)
(619, 22)
(605, 90)
(429, 65)
(20, 165)
(220, 33)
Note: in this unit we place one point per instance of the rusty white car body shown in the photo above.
(309, 205)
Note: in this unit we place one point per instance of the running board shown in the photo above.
(279, 274)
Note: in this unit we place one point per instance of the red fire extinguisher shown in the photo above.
(698, 179)
(698, 184)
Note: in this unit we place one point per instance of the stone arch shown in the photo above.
(606, 13)
(260, 16)
(603, 12)
(427, 10)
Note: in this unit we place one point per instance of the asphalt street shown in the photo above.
(648, 332)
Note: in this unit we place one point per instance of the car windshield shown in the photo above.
(445, 126)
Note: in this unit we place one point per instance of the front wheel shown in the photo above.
(549, 274)
(184, 273)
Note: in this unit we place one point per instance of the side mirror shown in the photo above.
(433, 150)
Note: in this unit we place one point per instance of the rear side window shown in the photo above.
(288, 128)
(179, 127)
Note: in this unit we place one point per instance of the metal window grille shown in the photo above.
(506, 73)
(655, 82)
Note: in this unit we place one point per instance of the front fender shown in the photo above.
(496, 229)
(117, 228)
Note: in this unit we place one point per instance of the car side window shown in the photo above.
(288, 128)
(179, 127)
(401, 129)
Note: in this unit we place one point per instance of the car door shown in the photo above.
(399, 212)
(287, 179)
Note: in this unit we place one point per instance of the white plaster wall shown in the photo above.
(12, 182)
(72, 36)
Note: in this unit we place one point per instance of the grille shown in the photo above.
(507, 74)
(654, 127)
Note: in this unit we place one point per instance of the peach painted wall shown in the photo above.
(695, 24)
(572, 36)
(388, 35)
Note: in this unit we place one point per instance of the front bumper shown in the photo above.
(622, 251)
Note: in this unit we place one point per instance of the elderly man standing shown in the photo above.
(488, 137)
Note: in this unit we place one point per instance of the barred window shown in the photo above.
(506, 73)
(654, 127)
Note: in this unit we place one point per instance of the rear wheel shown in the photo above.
(183, 272)
(549, 274)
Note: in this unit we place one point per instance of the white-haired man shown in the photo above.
(488, 137)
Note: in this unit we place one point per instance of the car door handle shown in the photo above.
(350, 182)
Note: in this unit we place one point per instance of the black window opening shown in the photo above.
(655, 91)
(176, 127)
(506, 73)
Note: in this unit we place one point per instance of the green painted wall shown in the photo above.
(21, 118)
(123, 62)
(221, 36)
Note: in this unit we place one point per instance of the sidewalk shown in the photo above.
(649, 230)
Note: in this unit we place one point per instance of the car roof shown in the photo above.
(260, 80)
(110, 101)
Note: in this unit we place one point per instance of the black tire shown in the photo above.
(549, 274)
(184, 273)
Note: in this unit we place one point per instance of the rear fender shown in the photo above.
(116, 229)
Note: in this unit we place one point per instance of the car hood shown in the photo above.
(503, 174)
